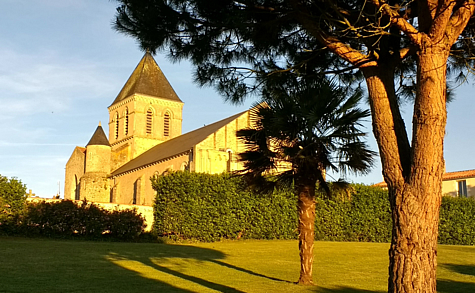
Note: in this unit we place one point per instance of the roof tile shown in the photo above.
(147, 79)
(446, 177)
(99, 137)
(175, 146)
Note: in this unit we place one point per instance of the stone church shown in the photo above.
(145, 140)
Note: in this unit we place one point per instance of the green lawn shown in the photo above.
(40, 265)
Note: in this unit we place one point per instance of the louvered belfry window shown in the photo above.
(116, 125)
(166, 124)
(126, 122)
(149, 121)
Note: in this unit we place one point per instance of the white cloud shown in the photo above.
(47, 82)
(13, 144)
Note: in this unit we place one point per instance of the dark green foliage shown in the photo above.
(231, 41)
(366, 216)
(66, 219)
(213, 207)
(12, 202)
(232, 44)
(311, 125)
(457, 221)
(12, 195)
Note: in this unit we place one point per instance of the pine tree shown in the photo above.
(399, 47)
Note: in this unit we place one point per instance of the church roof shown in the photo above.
(175, 146)
(147, 79)
(99, 137)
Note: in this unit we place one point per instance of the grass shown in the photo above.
(42, 265)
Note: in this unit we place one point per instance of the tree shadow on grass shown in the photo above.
(230, 266)
(164, 254)
(344, 289)
(461, 269)
(30, 265)
(448, 286)
(146, 264)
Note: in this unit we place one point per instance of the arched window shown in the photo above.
(149, 121)
(76, 188)
(230, 160)
(126, 121)
(116, 118)
(166, 124)
(136, 199)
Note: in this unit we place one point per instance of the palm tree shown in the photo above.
(302, 129)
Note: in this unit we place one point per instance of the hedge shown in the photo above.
(366, 216)
(457, 221)
(213, 207)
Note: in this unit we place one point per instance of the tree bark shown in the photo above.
(415, 206)
(413, 173)
(306, 228)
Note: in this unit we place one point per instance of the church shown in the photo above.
(145, 140)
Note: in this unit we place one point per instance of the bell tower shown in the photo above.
(146, 112)
(94, 184)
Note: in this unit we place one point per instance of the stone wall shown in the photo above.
(74, 171)
(137, 184)
(94, 186)
(219, 152)
(98, 158)
(145, 211)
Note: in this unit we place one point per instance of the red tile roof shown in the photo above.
(81, 149)
(446, 177)
(380, 184)
(458, 175)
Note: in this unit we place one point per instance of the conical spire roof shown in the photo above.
(99, 137)
(147, 79)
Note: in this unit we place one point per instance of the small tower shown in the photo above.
(146, 112)
(94, 185)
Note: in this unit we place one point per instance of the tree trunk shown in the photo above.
(306, 227)
(413, 174)
(415, 206)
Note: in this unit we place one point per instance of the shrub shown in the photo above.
(12, 195)
(66, 219)
(12, 203)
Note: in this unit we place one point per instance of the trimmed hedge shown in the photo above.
(364, 217)
(66, 219)
(213, 207)
(457, 221)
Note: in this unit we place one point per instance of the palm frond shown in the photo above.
(311, 124)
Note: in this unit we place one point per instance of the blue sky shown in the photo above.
(62, 65)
